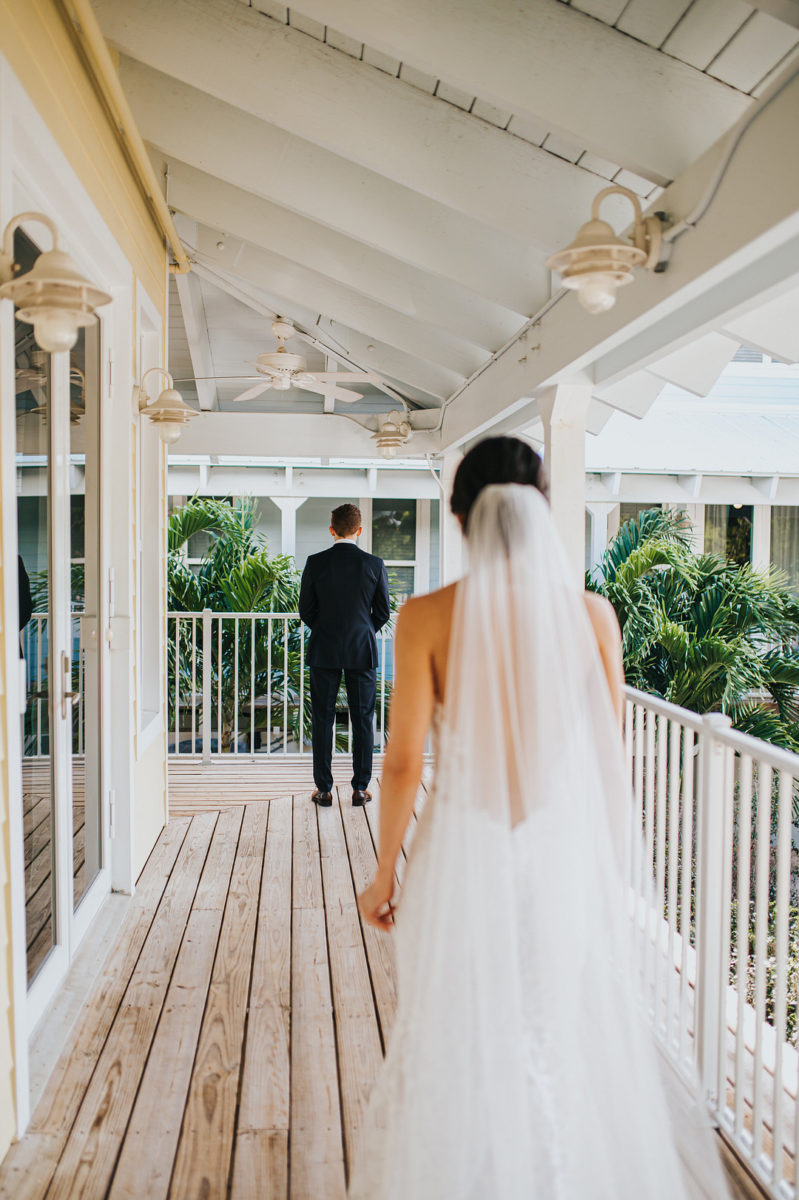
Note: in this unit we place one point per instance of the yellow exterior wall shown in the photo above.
(39, 49)
(8, 1122)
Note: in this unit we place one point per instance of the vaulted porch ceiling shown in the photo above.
(392, 179)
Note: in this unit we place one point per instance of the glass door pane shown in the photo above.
(33, 397)
(84, 418)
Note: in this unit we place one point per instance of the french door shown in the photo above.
(62, 649)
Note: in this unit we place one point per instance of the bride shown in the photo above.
(518, 1065)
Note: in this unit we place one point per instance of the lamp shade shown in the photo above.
(170, 413)
(55, 298)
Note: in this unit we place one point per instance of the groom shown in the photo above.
(343, 601)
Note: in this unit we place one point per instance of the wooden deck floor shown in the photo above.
(236, 1026)
(242, 999)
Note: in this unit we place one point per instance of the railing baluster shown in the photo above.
(235, 685)
(637, 849)
(193, 685)
(39, 627)
(728, 783)
(761, 931)
(649, 822)
(742, 929)
(252, 686)
(206, 697)
(661, 768)
(302, 689)
(177, 685)
(269, 685)
(686, 888)
(285, 685)
(382, 739)
(783, 899)
(218, 687)
(673, 859)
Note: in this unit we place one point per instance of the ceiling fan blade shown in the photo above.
(346, 376)
(252, 392)
(326, 389)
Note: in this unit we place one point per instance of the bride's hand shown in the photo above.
(376, 903)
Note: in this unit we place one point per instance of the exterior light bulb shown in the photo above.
(169, 431)
(596, 292)
(54, 330)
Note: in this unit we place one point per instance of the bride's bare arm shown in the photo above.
(608, 635)
(409, 720)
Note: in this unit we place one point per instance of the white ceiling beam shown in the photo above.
(284, 433)
(191, 305)
(348, 107)
(773, 329)
(424, 380)
(697, 366)
(542, 60)
(311, 289)
(374, 275)
(742, 252)
(187, 124)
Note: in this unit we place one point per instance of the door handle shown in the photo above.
(67, 697)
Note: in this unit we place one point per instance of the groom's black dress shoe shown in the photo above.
(323, 799)
(360, 798)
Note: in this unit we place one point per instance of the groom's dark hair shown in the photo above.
(346, 519)
(495, 460)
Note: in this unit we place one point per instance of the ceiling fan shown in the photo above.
(281, 370)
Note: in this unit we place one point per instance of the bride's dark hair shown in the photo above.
(495, 460)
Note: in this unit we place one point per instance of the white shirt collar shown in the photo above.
(346, 542)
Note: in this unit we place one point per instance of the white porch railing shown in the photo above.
(718, 936)
(238, 685)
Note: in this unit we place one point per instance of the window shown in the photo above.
(394, 540)
(728, 531)
(785, 542)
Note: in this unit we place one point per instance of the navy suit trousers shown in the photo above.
(361, 694)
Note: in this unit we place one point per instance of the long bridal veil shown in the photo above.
(519, 1064)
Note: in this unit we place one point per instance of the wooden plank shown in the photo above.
(94, 1142)
(260, 1165)
(316, 1165)
(150, 1145)
(357, 1030)
(28, 1167)
(380, 949)
(202, 1165)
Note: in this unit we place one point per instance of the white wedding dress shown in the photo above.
(519, 1064)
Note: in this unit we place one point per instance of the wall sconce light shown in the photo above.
(53, 296)
(597, 262)
(394, 432)
(169, 412)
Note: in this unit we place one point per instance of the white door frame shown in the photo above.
(35, 175)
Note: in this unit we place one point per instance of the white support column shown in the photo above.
(288, 506)
(601, 513)
(365, 505)
(761, 536)
(696, 516)
(451, 533)
(563, 410)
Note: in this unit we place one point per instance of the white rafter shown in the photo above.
(187, 124)
(374, 275)
(545, 61)
(346, 107)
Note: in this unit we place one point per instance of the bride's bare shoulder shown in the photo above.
(424, 617)
(602, 616)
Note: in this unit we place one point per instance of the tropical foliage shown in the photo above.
(257, 674)
(702, 632)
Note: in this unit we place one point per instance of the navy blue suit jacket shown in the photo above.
(343, 601)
